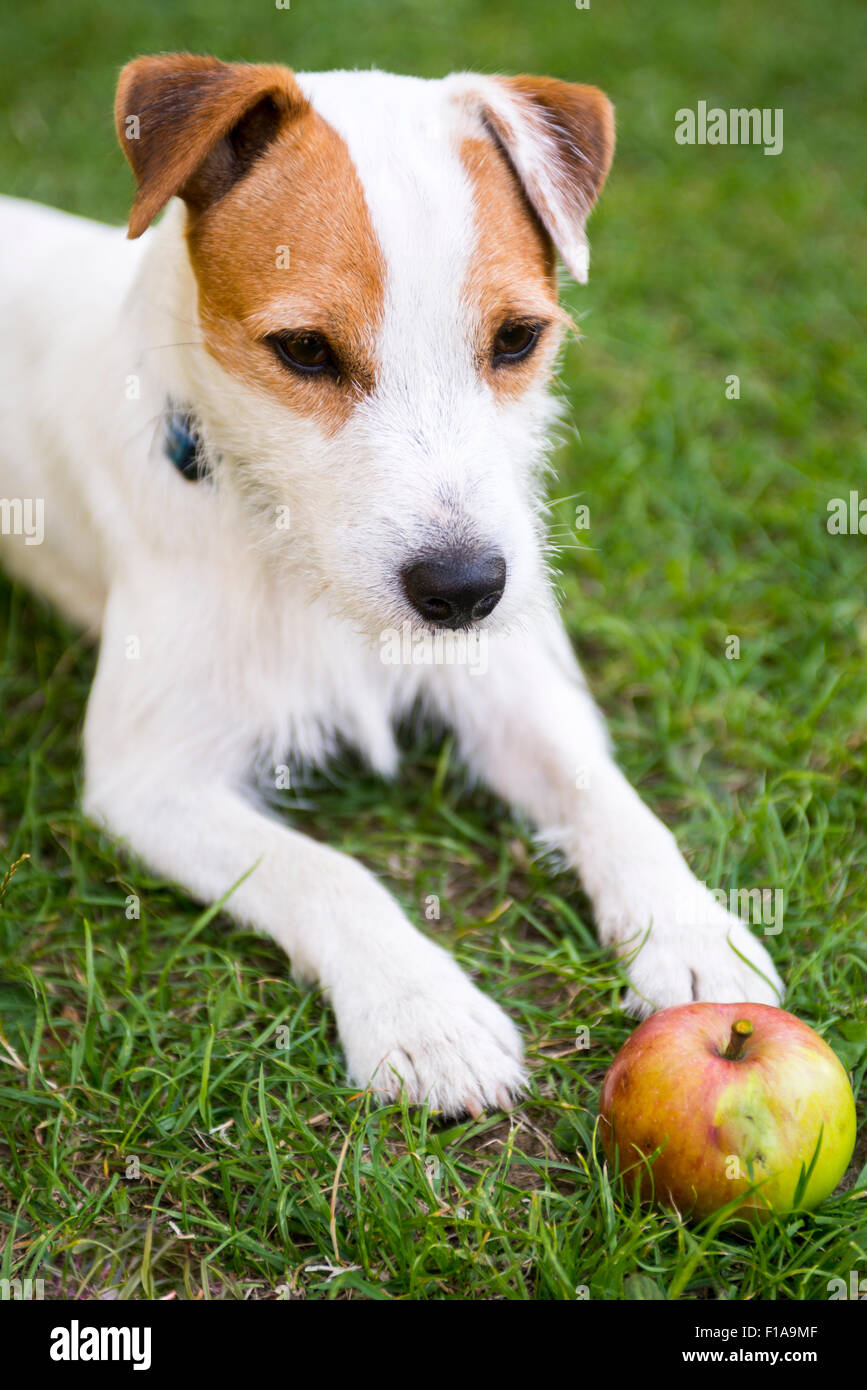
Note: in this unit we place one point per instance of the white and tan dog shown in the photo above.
(308, 409)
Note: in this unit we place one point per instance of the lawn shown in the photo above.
(174, 1118)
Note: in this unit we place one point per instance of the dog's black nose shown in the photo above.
(454, 588)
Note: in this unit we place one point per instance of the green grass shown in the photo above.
(156, 1040)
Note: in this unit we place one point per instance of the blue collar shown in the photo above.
(182, 444)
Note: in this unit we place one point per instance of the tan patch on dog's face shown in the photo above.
(512, 275)
(291, 248)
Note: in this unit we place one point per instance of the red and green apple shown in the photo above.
(736, 1097)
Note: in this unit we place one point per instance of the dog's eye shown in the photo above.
(303, 352)
(515, 341)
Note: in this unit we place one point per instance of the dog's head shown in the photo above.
(375, 266)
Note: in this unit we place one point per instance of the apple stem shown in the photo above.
(741, 1030)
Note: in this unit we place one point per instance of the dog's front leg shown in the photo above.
(162, 773)
(528, 726)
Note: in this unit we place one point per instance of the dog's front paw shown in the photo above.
(718, 960)
(439, 1039)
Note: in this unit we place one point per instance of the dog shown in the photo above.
(310, 408)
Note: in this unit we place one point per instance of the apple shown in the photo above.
(728, 1091)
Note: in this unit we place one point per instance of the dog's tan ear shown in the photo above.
(559, 139)
(192, 126)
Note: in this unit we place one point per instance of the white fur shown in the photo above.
(256, 643)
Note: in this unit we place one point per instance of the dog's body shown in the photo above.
(340, 297)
